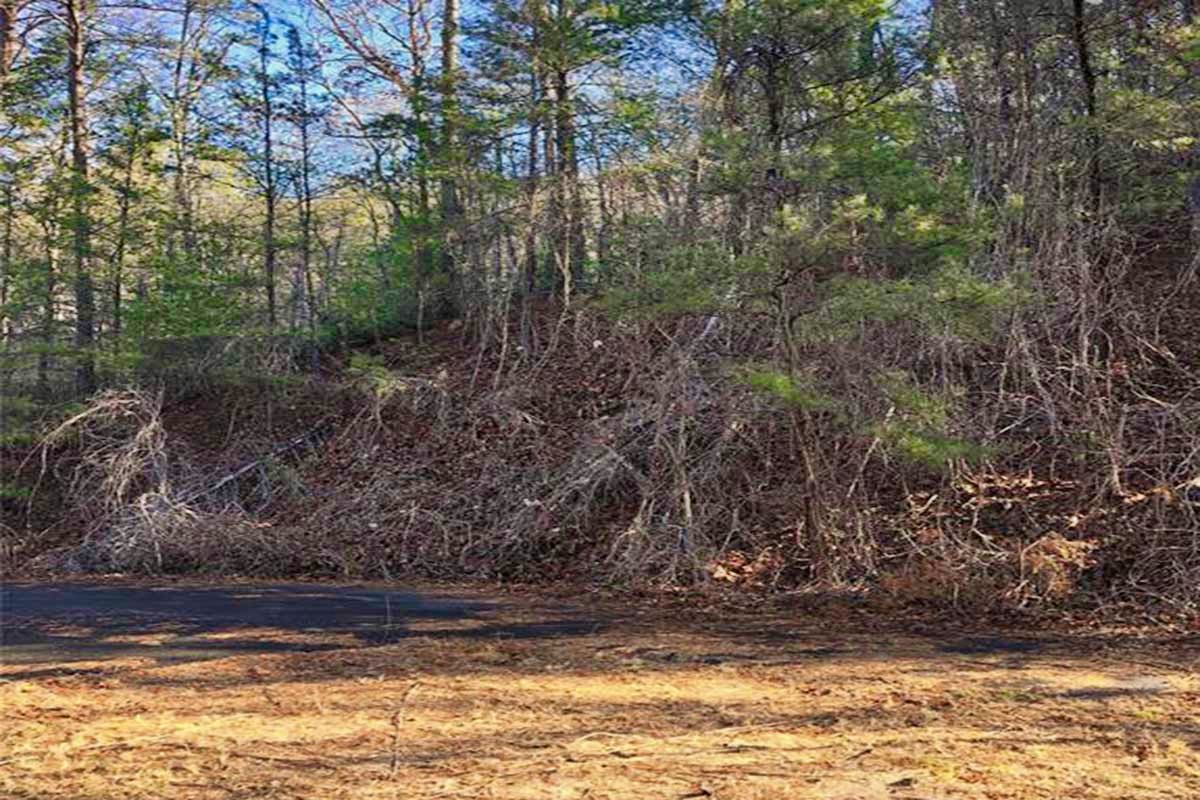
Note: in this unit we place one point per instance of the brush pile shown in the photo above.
(648, 453)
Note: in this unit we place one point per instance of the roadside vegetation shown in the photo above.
(893, 301)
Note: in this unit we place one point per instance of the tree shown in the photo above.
(406, 26)
(194, 63)
(265, 110)
(134, 136)
(549, 47)
(10, 34)
(449, 151)
(304, 114)
(77, 15)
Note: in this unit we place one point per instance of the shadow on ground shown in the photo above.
(43, 624)
(368, 690)
(51, 630)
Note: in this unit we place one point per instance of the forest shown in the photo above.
(883, 297)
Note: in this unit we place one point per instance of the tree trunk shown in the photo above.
(6, 252)
(269, 188)
(1088, 75)
(450, 199)
(554, 215)
(569, 203)
(531, 187)
(51, 233)
(8, 37)
(75, 12)
(124, 204)
(180, 122)
(305, 186)
(605, 225)
(306, 239)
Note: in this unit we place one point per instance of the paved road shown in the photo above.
(45, 628)
(43, 624)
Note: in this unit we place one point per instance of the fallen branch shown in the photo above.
(314, 435)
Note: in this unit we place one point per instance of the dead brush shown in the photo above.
(938, 559)
(1153, 552)
(492, 486)
(10, 543)
(975, 577)
(636, 455)
(157, 534)
(382, 386)
(1050, 568)
(660, 462)
(386, 504)
(121, 449)
(152, 510)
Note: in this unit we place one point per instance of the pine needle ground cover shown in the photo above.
(663, 704)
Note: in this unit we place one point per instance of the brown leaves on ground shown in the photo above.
(648, 709)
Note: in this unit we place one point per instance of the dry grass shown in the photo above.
(652, 709)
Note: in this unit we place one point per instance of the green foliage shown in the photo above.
(688, 279)
(917, 427)
(19, 416)
(190, 302)
(19, 405)
(797, 391)
(372, 375)
(17, 438)
(928, 449)
(1191, 44)
(950, 302)
(10, 491)
(911, 403)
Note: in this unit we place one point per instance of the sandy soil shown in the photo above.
(655, 707)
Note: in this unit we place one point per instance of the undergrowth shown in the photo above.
(673, 451)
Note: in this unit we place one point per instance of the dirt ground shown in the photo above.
(658, 705)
